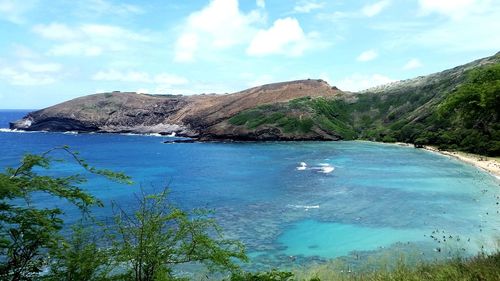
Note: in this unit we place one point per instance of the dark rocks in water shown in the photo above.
(181, 141)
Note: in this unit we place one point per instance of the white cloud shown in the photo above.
(284, 37)
(111, 32)
(63, 32)
(194, 88)
(24, 52)
(221, 25)
(261, 3)
(307, 6)
(452, 8)
(103, 7)
(25, 78)
(75, 49)
(142, 91)
(56, 31)
(338, 16)
(139, 77)
(217, 26)
(186, 47)
(169, 79)
(467, 30)
(255, 80)
(87, 39)
(41, 67)
(14, 10)
(412, 64)
(475, 32)
(359, 82)
(29, 73)
(369, 11)
(375, 8)
(367, 56)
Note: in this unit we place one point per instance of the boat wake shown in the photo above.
(302, 166)
(323, 168)
(305, 207)
(326, 168)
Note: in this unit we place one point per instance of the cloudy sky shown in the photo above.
(54, 50)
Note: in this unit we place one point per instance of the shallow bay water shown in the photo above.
(284, 200)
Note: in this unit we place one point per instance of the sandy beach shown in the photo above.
(489, 164)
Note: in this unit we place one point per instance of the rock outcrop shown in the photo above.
(199, 116)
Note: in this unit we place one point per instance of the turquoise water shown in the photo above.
(332, 240)
(378, 197)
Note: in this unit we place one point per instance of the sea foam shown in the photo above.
(302, 166)
(305, 207)
(7, 130)
(324, 168)
(321, 168)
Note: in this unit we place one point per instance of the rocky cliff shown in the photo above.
(198, 116)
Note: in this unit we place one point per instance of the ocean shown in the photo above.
(290, 203)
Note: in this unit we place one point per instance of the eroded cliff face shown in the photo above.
(200, 116)
(109, 112)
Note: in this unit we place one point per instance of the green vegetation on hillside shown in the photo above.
(299, 116)
(451, 111)
(463, 118)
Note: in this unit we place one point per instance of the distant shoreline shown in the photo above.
(490, 165)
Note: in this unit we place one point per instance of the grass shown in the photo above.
(481, 267)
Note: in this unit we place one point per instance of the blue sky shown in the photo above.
(55, 50)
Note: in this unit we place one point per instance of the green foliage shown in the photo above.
(159, 236)
(465, 117)
(293, 124)
(27, 232)
(273, 275)
(474, 112)
(300, 116)
(144, 245)
(79, 258)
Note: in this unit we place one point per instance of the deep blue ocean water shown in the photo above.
(379, 197)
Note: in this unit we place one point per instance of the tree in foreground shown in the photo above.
(28, 232)
(146, 243)
(158, 236)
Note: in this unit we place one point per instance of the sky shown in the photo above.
(55, 50)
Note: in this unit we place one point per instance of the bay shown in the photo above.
(295, 202)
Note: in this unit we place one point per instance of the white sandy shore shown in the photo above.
(488, 164)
